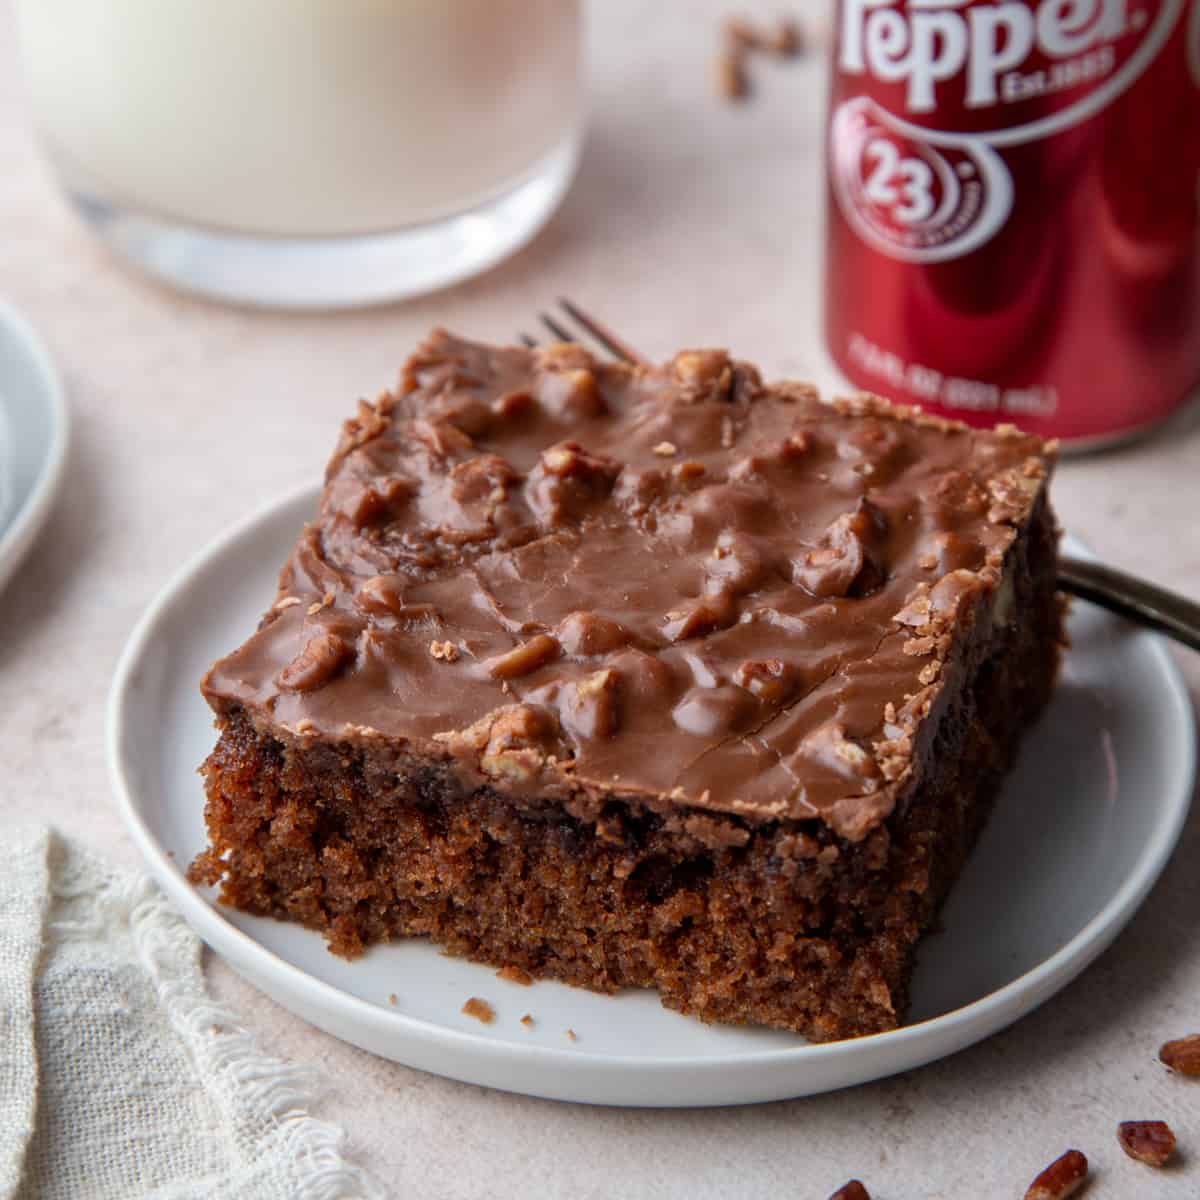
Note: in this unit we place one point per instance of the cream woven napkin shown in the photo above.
(118, 1076)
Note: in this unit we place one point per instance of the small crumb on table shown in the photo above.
(740, 39)
(786, 40)
(515, 975)
(480, 1009)
(527, 1021)
(392, 1000)
(572, 1035)
(730, 78)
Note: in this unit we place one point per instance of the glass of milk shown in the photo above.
(308, 153)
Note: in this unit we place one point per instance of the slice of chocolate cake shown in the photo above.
(656, 678)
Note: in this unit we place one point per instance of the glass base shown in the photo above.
(333, 272)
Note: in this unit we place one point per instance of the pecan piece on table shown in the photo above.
(1062, 1178)
(851, 1191)
(1182, 1055)
(1150, 1142)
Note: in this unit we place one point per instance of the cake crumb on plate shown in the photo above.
(515, 975)
(480, 1009)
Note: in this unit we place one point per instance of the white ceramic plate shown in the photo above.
(33, 437)
(1085, 825)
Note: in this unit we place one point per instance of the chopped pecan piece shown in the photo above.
(474, 417)
(705, 374)
(442, 438)
(769, 679)
(444, 651)
(700, 367)
(587, 633)
(369, 423)
(563, 356)
(478, 479)
(689, 470)
(315, 665)
(572, 393)
(953, 552)
(568, 482)
(514, 741)
(853, 1190)
(525, 658)
(796, 447)
(590, 706)
(512, 405)
(520, 739)
(1182, 1054)
(829, 745)
(562, 460)
(369, 504)
(735, 566)
(956, 491)
(846, 562)
(382, 595)
(1150, 1142)
(519, 727)
(712, 612)
(1062, 1178)
(1011, 494)
(713, 711)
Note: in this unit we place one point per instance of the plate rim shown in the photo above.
(957, 1028)
(18, 534)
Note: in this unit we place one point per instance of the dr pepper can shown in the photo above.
(1014, 209)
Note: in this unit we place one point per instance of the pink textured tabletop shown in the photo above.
(691, 222)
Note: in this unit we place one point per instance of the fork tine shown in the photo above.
(600, 333)
(561, 332)
(605, 336)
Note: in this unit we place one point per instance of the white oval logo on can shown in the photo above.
(909, 198)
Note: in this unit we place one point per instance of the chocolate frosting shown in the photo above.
(571, 579)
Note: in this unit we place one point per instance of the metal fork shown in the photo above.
(600, 333)
(1137, 599)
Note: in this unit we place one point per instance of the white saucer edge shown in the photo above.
(17, 537)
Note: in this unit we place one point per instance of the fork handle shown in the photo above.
(1135, 598)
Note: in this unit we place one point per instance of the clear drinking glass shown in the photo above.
(308, 153)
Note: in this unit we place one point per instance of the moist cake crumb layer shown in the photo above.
(660, 678)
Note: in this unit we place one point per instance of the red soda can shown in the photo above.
(1014, 209)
